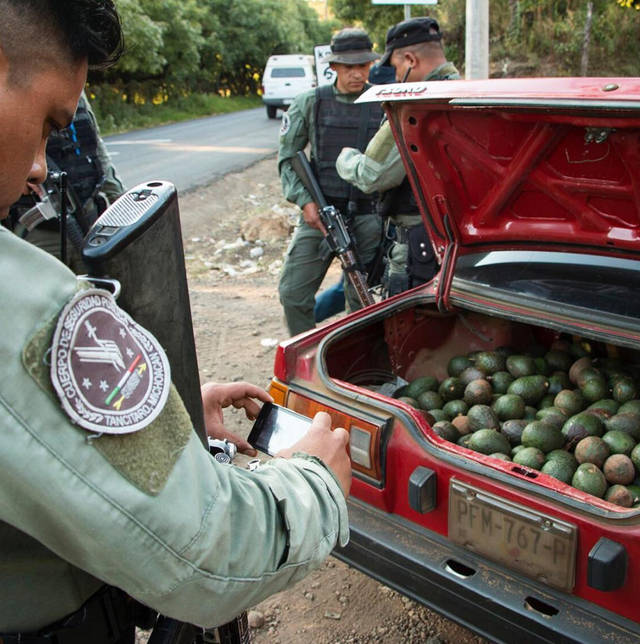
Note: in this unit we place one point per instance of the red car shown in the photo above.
(530, 192)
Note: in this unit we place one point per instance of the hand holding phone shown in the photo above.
(315, 438)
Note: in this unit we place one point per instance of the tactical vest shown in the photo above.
(339, 125)
(75, 150)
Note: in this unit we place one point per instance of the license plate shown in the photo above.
(287, 101)
(535, 544)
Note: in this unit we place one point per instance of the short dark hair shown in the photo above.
(77, 29)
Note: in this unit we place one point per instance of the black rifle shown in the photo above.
(137, 242)
(337, 236)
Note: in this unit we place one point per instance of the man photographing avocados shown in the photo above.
(90, 518)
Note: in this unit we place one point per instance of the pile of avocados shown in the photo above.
(571, 410)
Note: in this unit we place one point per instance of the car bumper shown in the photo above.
(486, 598)
(277, 102)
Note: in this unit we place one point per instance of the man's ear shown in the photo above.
(411, 59)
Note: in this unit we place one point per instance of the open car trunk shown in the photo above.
(530, 192)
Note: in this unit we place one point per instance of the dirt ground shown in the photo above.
(235, 232)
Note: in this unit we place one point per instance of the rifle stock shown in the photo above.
(337, 235)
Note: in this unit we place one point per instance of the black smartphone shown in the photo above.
(277, 428)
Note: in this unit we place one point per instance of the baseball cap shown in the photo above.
(410, 32)
(351, 46)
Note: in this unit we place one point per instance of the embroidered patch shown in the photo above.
(110, 374)
(286, 124)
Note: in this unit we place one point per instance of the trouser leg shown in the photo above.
(305, 266)
(398, 276)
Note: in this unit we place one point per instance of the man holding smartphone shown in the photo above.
(90, 519)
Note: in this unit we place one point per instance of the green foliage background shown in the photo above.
(195, 54)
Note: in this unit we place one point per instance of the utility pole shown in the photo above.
(477, 39)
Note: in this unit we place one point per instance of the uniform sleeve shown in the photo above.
(113, 186)
(378, 169)
(294, 136)
(212, 540)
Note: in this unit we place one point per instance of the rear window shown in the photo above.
(598, 283)
(288, 72)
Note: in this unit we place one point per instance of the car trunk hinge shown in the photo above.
(449, 259)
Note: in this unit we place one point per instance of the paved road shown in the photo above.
(193, 153)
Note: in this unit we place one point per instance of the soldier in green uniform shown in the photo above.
(106, 492)
(327, 119)
(92, 184)
(414, 48)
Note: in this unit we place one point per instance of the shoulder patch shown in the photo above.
(286, 124)
(110, 374)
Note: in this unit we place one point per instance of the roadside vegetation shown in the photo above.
(191, 58)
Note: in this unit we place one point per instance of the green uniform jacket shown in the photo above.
(206, 543)
(380, 167)
(297, 130)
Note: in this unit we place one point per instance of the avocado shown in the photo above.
(587, 374)
(619, 442)
(489, 362)
(487, 441)
(558, 360)
(455, 408)
(530, 412)
(530, 388)
(624, 389)
(417, 386)
(570, 401)
(552, 416)
(519, 365)
(562, 455)
(430, 400)
(451, 388)
(516, 449)
(577, 367)
(541, 435)
(469, 374)
(628, 423)
(547, 401)
(461, 423)
(558, 381)
(619, 495)
(635, 492)
(438, 414)
(512, 429)
(482, 417)
(542, 367)
(560, 470)
(580, 425)
(500, 381)
(409, 401)
(618, 468)
(446, 430)
(463, 441)
(457, 365)
(631, 406)
(588, 478)
(478, 392)
(607, 404)
(592, 449)
(594, 389)
(635, 458)
(500, 456)
(508, 406)
(530, 457)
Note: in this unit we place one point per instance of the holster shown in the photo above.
(107, 617)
